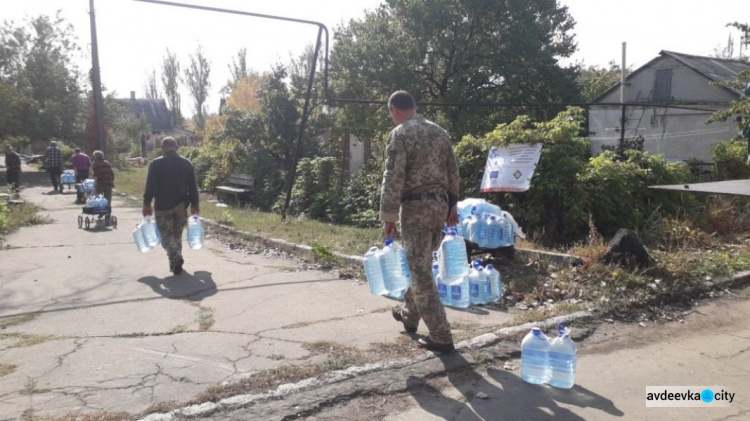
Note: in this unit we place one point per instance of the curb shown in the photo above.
(316, 383)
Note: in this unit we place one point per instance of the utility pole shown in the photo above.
(623, 121)
(96, 83)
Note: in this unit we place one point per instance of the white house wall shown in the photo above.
(678, 134)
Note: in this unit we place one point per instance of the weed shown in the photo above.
(31, 389)
(13, 321)
(205, 318)
(226, 218)
(6, 369)
(322, 254)
(277, 357)
(24, 340)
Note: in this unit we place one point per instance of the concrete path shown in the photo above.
(616, 364)
(88, 324)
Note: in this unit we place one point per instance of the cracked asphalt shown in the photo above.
(89, 324)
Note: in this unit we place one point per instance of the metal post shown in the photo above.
(623, 122)
(97, 83)
(305, 113)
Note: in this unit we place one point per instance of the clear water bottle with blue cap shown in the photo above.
(195, 233)
(535, 357)
(140, 242)
(453, 256)
(562, 359)
(150, 232)
(496, 283)
(391, 263)
(477, 230)
(508, 230)
(494, 232)
(444, 290)
(373, 271)
(459, 291)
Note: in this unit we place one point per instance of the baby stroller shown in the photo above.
(95, 205)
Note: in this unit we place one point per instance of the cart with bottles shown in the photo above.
(97, 212)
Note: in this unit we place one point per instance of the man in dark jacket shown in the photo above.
(53, 162)
(171, 184)
(12, 167)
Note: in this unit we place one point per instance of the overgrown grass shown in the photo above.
(327, 237)
(15, 216)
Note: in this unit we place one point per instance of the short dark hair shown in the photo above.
(169, 142)
(77, 150)
(401, 100)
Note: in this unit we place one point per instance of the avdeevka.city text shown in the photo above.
(688, 395)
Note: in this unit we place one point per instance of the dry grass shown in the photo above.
(13, 321)
(6, 369)
(25, 340)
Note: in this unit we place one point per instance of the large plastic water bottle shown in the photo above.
(494, 232)
(404, 262)
(150, 232)
(535, 357)
(195, 233)
(140, 242)
(562, 359)
(373, 271)
(103, 203)
(508, 232)
(453, 255)
(477, 230)
(399, 295)
(496, 283)
(444, 290)
(459, 291)
(392, 267)
(435, 271)
(477, 285)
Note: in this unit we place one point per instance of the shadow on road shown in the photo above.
(193, 287)
(514, 400)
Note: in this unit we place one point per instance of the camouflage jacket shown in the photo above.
(420, 160)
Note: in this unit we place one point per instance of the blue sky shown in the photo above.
(133, 36)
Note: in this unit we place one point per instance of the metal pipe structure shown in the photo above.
(623, 119)
(96, 83)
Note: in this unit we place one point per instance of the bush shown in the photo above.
(317, 191)
(731, 160)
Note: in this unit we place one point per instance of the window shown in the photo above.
(663, 85)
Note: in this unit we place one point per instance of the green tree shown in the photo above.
(458, 51)
(36, 64)
(237, 69)
(198, 83)
(593, 81)
(151, 89)
(170, 79)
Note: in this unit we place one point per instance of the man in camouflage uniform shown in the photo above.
(420, 180)
(171, 183)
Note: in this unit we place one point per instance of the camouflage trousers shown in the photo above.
(421, 226)
(171, 223)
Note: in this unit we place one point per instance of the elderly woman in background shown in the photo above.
(103, 175)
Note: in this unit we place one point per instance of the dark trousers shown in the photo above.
(54, 177)
(80, 176)
(13, 178)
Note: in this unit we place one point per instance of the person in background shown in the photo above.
(81, 165)
(171, 185)
(104, 177)
(421, 181)
(12, 168)
(53, 164)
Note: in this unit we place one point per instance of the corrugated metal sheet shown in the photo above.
(719, 70)
(155, 111)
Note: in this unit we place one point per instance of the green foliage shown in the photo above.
(568, 186)
(40, 88)
(317, 192)
(322, 254)
(616, 191)
(594, 80)
(363, 195)
(731, 159)
(455, 50)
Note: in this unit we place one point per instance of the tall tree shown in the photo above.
(151, 90)
(170, 79)
(36, 64)
(237, 69)
(198, 82)
(594, 80)
(459, 51)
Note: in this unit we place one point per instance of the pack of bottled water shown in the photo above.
(97, 201)
(485, 224)
(88, 185)
(462, 285)
(140, 241)
(68, 177)
(549, 361)
(387, 270)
